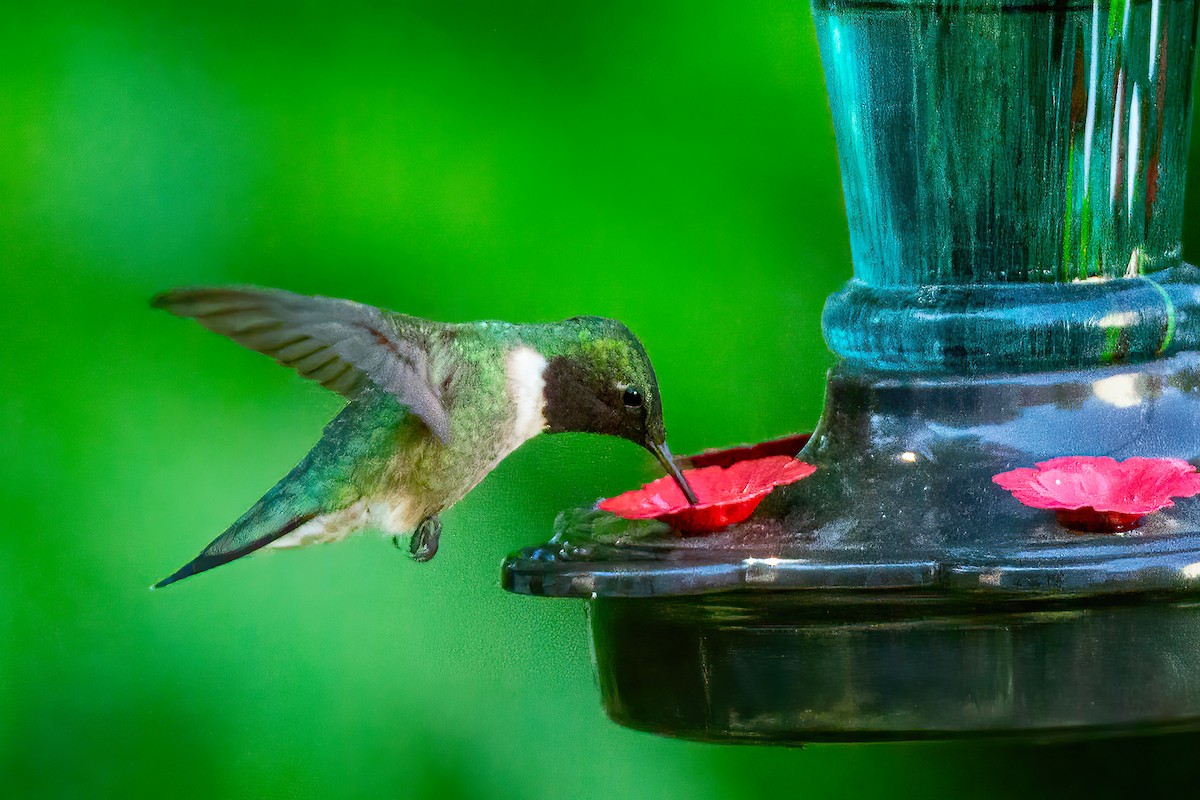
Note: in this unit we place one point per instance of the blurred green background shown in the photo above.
(672, 165)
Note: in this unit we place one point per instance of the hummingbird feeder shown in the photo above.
(1014, 178)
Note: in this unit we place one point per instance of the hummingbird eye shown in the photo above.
(633, 398)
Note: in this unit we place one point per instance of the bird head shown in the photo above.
(598, 379)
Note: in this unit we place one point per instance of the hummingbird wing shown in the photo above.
(337, 343)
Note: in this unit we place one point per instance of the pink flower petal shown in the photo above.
(1130, 488)
(726, 494)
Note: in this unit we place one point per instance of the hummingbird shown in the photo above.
(433, 408)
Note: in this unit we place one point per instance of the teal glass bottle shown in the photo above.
(1014, 177)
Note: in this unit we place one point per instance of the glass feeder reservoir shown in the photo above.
(1014, 178)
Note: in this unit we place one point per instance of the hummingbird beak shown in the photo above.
(663, 454)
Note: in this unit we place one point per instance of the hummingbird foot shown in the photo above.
(424, 543)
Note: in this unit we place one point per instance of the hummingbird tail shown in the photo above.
(240, 539)
(303, 495)
(324, 483)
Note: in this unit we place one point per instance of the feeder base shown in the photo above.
(898, 592)
(806, 667)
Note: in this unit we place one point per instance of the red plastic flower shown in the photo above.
(1101, 494)
(727, 494)
(725, 456)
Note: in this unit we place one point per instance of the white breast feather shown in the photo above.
(526, 385)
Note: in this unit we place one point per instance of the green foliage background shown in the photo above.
(670, 164)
